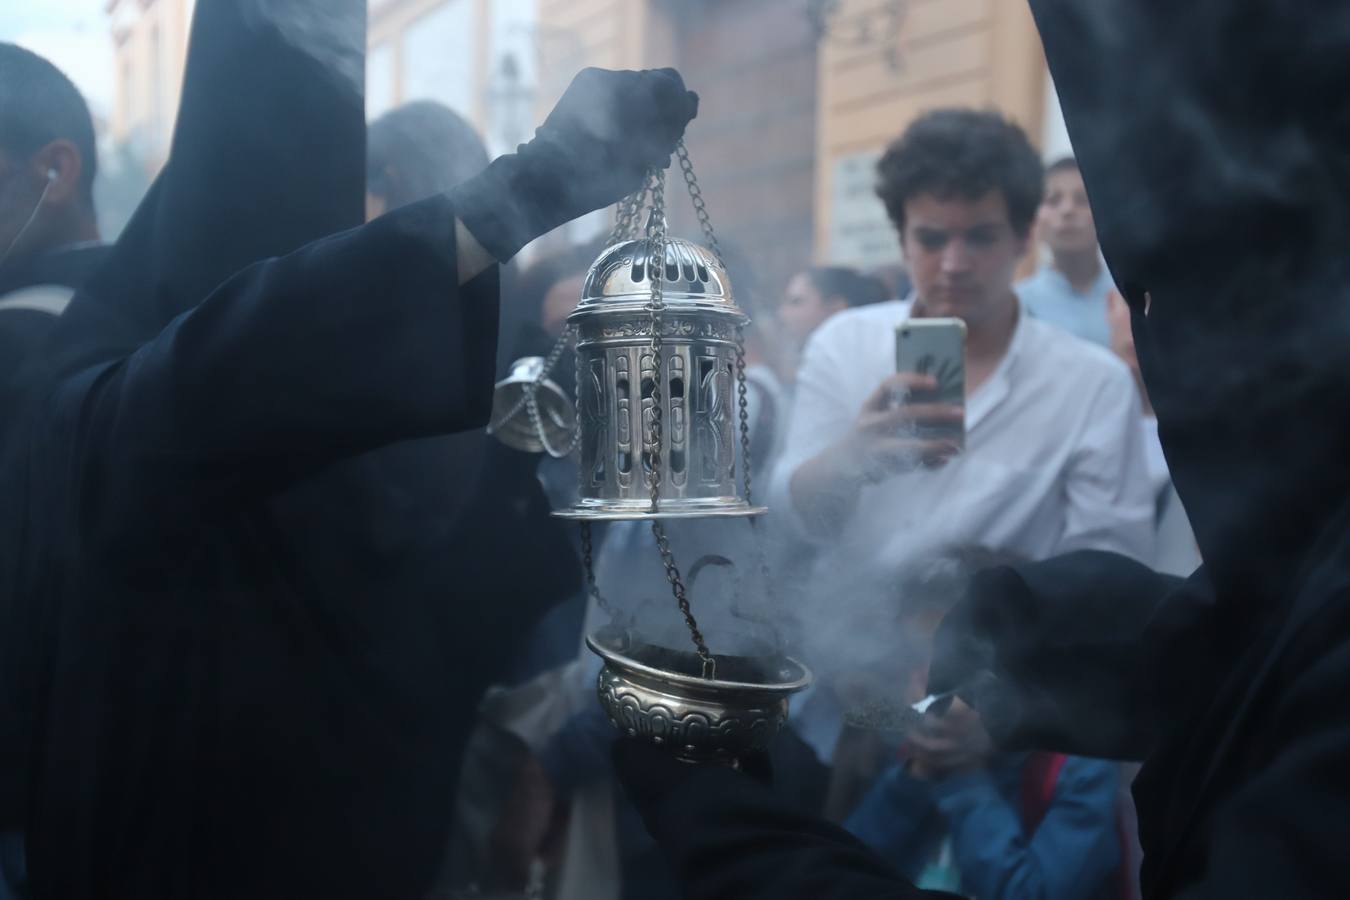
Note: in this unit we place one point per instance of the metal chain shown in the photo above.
(625, 220)
(705, 223)
(656, 276)
(537, 422)
(588, 568)
(761, 556)
(549, 362)
(743, 396)
(701, 210)
(696, 196)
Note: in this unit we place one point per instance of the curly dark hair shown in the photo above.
(965, 154)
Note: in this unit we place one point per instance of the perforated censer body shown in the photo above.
(616, 378)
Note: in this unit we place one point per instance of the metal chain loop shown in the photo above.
(529, 401)
(626, 217)
(696, 196)
(744, 402)
(656, 276)
(705, 223)
(588, 568)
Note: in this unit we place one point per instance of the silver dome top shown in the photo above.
(694, 277)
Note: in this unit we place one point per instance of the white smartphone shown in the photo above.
(935, 347)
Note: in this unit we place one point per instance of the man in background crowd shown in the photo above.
(815, 294)
(49, 237)
(1071, 289)
(49, 244)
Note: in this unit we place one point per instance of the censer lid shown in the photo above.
(694, 279)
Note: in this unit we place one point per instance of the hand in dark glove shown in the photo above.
(1053, 654)
(594, 148)
(727, 835)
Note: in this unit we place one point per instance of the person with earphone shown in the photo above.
(49, 236)
(49, 246)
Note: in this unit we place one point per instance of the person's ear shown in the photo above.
(60, 166)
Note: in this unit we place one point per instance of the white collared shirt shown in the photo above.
(1054, 457)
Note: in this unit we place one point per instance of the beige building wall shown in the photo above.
(150, 51)
(392, 35)
(611, 34)
(982, 53)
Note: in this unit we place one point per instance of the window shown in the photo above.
(439, 55)
(379, 80)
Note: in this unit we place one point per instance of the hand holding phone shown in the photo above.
(935, 348)
(887, 438)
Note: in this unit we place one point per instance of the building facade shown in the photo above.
(917, 55)
(799, 97)
(149, 52)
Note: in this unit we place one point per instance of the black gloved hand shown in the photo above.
(650, 773)
(1053, 654)
(594, 148)
(963, 646)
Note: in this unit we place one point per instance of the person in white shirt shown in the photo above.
(1054, 451)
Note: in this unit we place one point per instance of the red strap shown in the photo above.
(1039, 776)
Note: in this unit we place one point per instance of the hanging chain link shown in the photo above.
(656, 276)
(742, 390)
(705, 223)
(530, 403)
(742, 393)
(626, 217)
(696, 196)
(588, 568)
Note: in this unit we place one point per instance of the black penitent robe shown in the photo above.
(23, 332)
(216, 713)
(1213, 138)
(249, 601)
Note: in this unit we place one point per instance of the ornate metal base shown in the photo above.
(659, 694)
(618, 510)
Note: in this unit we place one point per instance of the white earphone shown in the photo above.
(52, 175)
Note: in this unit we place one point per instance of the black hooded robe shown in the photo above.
(237, 662)
(1214, 140)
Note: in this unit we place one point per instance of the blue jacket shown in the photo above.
(1074, 853)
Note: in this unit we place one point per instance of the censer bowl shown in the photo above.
(660, 695)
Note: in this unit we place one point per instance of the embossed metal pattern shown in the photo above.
(697, 732)
(693, 276)
(699, 329)
(699, 719)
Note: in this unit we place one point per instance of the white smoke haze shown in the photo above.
(848, 625)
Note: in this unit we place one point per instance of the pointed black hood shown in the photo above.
(268, 153)
(1224, 197)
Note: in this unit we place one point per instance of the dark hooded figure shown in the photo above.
(1214, 140)
(231, 668)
